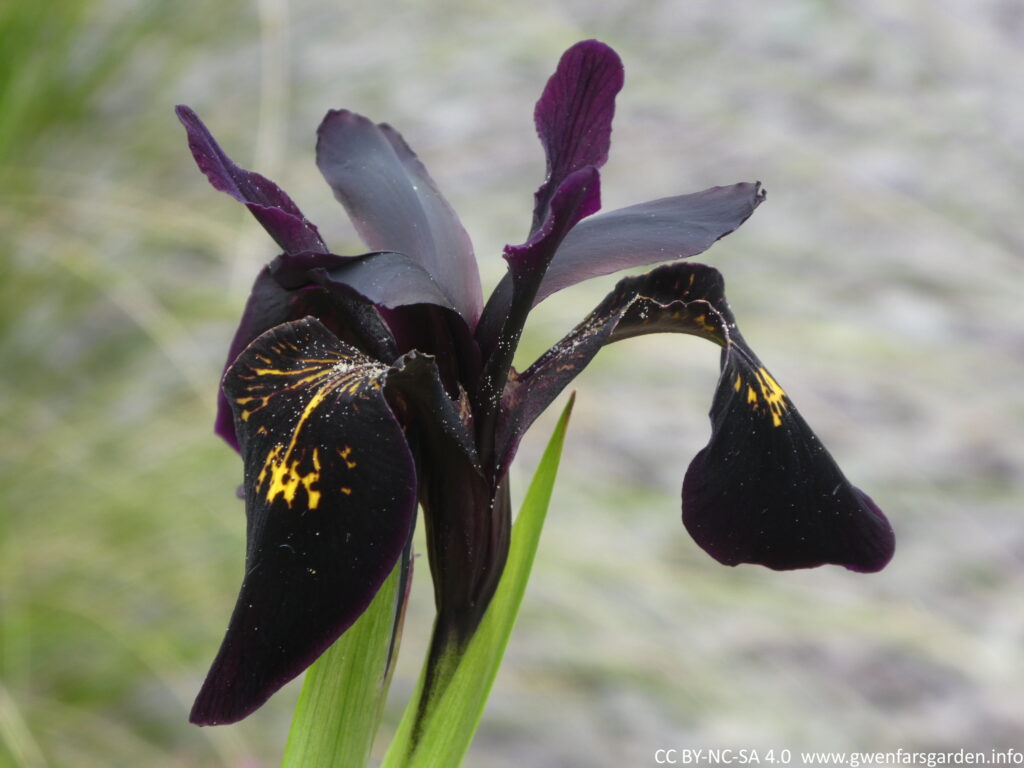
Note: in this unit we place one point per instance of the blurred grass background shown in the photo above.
(881, 282)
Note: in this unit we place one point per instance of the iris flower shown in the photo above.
(358, 388)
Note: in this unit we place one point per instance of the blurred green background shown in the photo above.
(881, 282)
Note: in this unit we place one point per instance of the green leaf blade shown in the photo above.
(343, 694)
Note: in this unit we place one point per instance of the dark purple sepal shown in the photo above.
(268, 305)
(267, 202)
(294, 286)
(574, 116)
(395, 205)
(330, 502)
(764, 490)
(632, 308)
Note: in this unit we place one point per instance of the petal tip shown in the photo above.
(774, 531)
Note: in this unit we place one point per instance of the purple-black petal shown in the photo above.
(395, 205)
(441, 333)
(330, 500)
(352, 296)
(574, 115)
(294, 286)
(267, 202)
(660, 230)
(501, 326)
(764, 490)
(467, 535)
(384, 278)
(578, 196)
(268, 305)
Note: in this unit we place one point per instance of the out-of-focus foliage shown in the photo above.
(881, 278)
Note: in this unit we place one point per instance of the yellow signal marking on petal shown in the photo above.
(246, 413)
(313, 477)
(285, 477)
(702, 321)
(317, 370)
(774, 395)
(271, 457)
(345, 456)
(335, 375)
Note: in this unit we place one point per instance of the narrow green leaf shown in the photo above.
(343, 694)
(450, 718)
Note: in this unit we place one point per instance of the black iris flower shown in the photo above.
(359, 388)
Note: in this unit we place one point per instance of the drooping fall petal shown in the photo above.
(395, 205)
(267, 202)
(268, 305)
(330, 491)
(764, 490)
(348, 294)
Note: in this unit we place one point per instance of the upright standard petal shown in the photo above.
(660, 230)
(764, 490)
(574, 116)
(330, 492)
(395, 205)
(578, 196)
(267, 202)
